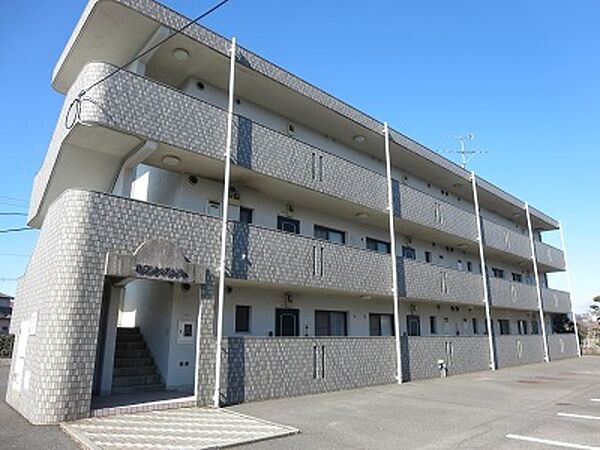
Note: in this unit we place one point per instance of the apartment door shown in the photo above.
(413, 325)
(287, 322)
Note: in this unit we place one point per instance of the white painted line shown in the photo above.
(595, 399)
(579, 416)
(552, 443)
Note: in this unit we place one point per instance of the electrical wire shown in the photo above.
(14, 230)
(76, 103)
(12, 214)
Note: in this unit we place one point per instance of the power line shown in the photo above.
(12, 214)
(15, 254)
(80, 97)
(13, 198)
(14, 230)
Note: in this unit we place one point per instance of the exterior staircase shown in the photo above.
(134, 370)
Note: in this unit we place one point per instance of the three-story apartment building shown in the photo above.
(120, 296)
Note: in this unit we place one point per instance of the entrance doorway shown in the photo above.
(413, 325)
(147, 343)
(287, 322)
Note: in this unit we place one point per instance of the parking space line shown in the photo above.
(550, 442)
(579, 416)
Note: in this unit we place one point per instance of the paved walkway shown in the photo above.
(179, 429)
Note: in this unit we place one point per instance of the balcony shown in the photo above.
(510, 294)
(549, 256)
(420, 280)
(506, 240)
(128, 109)
(276, 257)
(556, 301)
(424, 209)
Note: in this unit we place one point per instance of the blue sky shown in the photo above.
(522, 75)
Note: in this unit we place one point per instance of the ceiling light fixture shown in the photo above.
(181, 54)
(359, 139)
(170, 160)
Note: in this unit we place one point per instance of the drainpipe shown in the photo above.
(390, 208)
(538, 286)
(122, 184)
(221, 294)
(564, 247)
(486, 289)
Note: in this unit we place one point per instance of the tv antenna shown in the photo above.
(465, 154)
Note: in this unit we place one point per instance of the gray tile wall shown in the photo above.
(556, 301)
(549, 255)
(517, 350)
(562, 346)
(510, 294)
(262, 368)
(420, 355)
(507, 240)
(418, 279)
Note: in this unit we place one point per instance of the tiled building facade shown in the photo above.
(128, 204)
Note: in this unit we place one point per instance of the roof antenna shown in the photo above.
(465, 154)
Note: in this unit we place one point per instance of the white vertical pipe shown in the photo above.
(390, 207)
(198, 328)
(564, 249)
(221, 295)
(538, 286)
(486, 291)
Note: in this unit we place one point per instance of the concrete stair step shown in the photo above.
(139, 370)
(129, 338)
(128, 330)
(137, 389)
(135, 353)
(133, 362)
(135, 380)
(131, 345)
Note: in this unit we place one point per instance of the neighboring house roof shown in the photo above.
(3, 295)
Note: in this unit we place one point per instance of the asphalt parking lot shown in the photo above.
(539, 406)
(529, 407)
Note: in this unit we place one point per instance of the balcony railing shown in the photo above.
(419, 207)
(510, 294)
(420, 280)
(502, 238)
(556, 301)
(549, 255)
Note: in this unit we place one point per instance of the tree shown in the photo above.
(595, 307)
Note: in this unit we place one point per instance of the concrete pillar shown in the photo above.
(108, 360)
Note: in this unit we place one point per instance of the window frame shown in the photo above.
(379, 317)
(377, 243)
(328, 230)
(282, 220)
(248, 211)
(409, 252)
(330, 314)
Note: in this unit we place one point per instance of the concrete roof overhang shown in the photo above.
(114, 31)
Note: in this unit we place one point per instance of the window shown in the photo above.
(428, 257)
(469, 266)
(432, 325)
(329, 234)
(330, 323)
(534, 327)
(381, 324)
(459, 265)
(475, 325)
(498, 273)
(246, 215)
(213, 209)
(504, 325)
(409, 252)
(288, 224)
(378, 246)
(517, 277)
(242, 319)
(522, 326)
